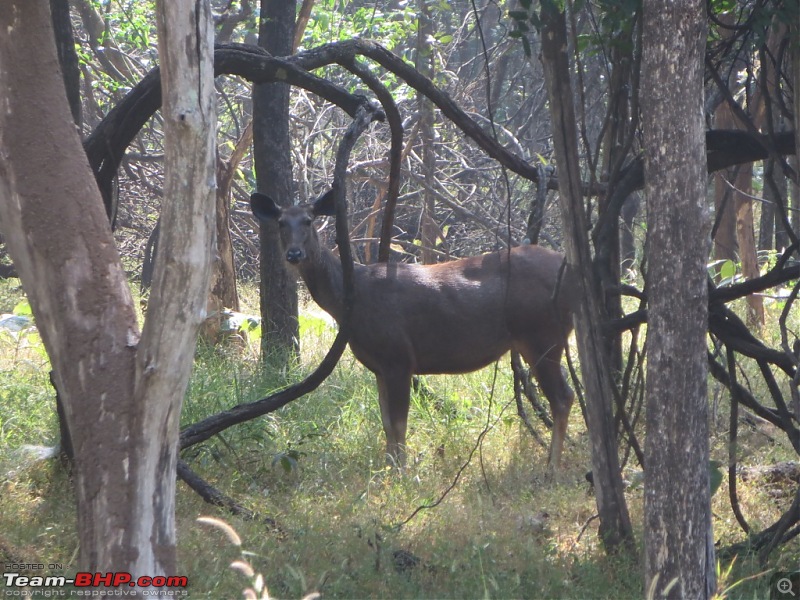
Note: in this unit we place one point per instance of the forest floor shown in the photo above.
(474, 516)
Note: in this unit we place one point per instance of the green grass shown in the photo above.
(504, 530)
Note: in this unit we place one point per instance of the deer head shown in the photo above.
(298, 236)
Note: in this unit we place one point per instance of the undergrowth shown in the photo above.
(473, 516)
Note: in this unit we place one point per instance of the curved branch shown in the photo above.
(395, 151)
(106, 145)
(337, 52)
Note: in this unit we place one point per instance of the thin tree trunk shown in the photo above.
(222, 289)
(725, 211)
(745, 236)
(795, 37)
(679, 547)
(615, 525)
(739, 207)
(280, 328)
(67, 57)
(302, 22)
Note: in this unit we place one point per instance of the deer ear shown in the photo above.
(325, 205)
(264, 207)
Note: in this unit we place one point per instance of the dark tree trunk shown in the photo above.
(274, 172)
(615, 525)
(616, 151)
(67, 57)
(679, 548)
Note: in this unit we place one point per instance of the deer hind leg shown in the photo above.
(554, 385)
(547, 370)
(394, 396)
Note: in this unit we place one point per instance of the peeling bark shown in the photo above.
(121, 396)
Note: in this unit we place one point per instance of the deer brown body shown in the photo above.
(453, 317)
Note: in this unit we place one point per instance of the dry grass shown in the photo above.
(505, 530)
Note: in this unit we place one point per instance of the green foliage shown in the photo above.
(334, 20)
(614, 23)
(715, 475)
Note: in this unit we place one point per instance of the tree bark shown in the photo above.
(738, 214)
(67, 57)
(60, 239)
(795, 37)
(615, 525)
(222, 289)
(679, 549)
(70, 69)
(303, 17)
(280, 328)
(177, 301)
(121, 394)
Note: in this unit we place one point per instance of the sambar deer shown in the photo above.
(453, 317)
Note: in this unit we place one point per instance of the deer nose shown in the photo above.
(294, 255)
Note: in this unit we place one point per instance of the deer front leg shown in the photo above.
(394, 391)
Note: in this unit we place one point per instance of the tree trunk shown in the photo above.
(795, 44)
(679, 549)
(725, 211)
(739, 208)
(178, 299)
(615, 525)
(280, 329)
(60, 239)
(67, 57)
(615, 152)
(303, 17)
(222, 289)
(70, 69)
(745, 237)
(121, 394)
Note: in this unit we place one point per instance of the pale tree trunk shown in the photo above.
(615, 524)
(303, 17)
(725, 211)
(177, 303)
(746, 239)
(222, 288)
(736, 226)
(121, 394)
(679, 548)
(272, 155)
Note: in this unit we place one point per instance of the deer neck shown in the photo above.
(323, 278)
